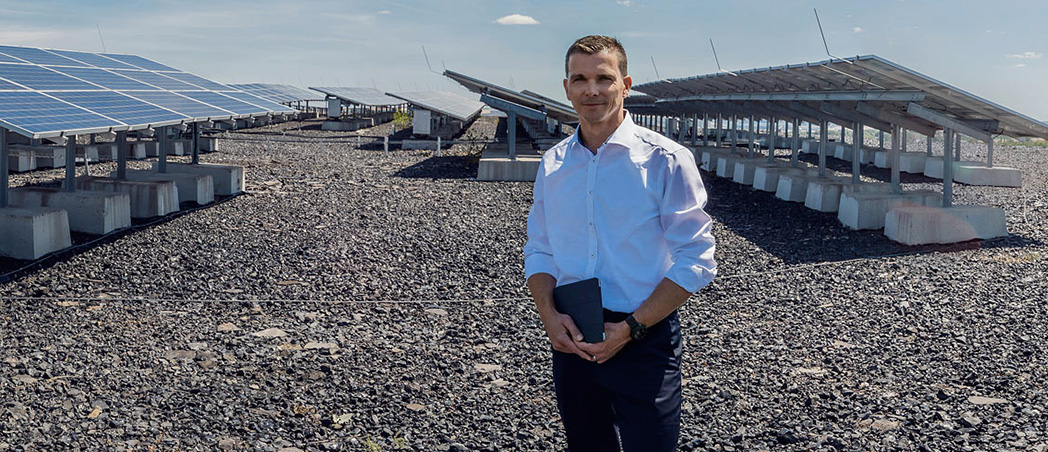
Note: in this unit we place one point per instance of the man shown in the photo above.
(623, 204)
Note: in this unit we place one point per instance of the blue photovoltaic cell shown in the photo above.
(7, 59)
(94, 59)
(104, 78)
(198, 81)
(9, 85)
(255, 100)
(120, 107)
(42, 79)
(188, 107)
(38, 56)
(138, 61)
(158, 80)
(225, 103)
(38, 113)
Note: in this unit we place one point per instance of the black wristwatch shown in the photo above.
(637, 329)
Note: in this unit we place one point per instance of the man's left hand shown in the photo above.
(616, 335)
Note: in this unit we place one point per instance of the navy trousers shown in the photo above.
(635, 396)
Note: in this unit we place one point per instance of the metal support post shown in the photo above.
(162, 142)
(957, 148)
(824, 139)
(511, 129)
(947, 169)
(385, 145)
(70, 181)
(121, 155)
(773, 125)
(904, 136)
(694, 129)
(989, 152)
(705, 130)
(896, 175)
(717, 130)
(928, 143)
(795, 150)
(752, 140)
(880, 140)
(856, 150)
(196, 143)
(809, 130)
(4, 153)
(734, 132)
(438, 146)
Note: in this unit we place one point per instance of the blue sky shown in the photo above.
(992, 49)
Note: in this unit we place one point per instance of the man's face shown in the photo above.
(595, 86)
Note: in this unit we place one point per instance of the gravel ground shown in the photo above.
(352, 301)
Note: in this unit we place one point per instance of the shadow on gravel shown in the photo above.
(873, 172)
(796, 234)
(444, 167)
(13, 269)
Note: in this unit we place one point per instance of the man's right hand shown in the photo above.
(563, 334)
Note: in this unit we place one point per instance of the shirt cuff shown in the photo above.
(691, 277)
(539, 263)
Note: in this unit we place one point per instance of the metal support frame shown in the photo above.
(795, 149)
(162, 140)
(989, 153)
(957, 147)
(928, 144)
(717, 131)
(705, 130)
(773, 124)
(694, 129)
(196, 143)
(734, 132)
(947, 168)
(880, 140)
(121, 155)
(856, 151)
(752, 139)
(844, 96)
(4, 180)
(896, 174)
(823, 144)
(511, 132)
(904, 136)
(956, 125)
(70, 179)
(895, 117)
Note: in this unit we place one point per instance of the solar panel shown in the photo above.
(106, 79)
(93, 59)
(157, 80)
(552, 108)
(278, 93)
(120, 107)
(49, 93)
(34, 113)
(138, 61)
(181, 104)
(362, 96)
(38, 56)
(454, 105)
(255, 100)
(39, 78)
(198, 81)
(224, 102)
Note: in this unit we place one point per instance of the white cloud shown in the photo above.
(857, 30)
(1020, 65)
(624, 2)
(516, 19)
(384, 12)
(1027, 55)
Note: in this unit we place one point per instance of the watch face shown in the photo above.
(639, 333)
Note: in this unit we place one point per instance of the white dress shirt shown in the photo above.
(629, 215)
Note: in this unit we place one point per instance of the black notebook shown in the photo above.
(581, 300)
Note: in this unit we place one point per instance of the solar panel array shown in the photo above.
(46, 93)
(278, 93)
(362, 96)
(453, 105)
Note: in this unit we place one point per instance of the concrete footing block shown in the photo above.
(181, 147)
(793, 185)
(90, 212)
(996, 176)
(882, 159)
(105, 152)
(501, 168)
(844, 152)
(912, 162)
(920, 225)
(933, 167)
(31, 233)
(198, 188)
(208, 144)
(867, 210)
(726, 164)
(709, 158)
(21, 161)
(49, 156)
(143, 149)
(810, 146)
(744, 169)
(824, 194)
(148, 199)
(766, 177)
(228, 179)
(347, 125)
(868, 155)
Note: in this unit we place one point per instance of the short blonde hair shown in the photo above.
(593, 44)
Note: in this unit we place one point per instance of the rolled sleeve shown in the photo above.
(538, 256)
(688, 228)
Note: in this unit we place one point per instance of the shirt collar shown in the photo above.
(623, 135)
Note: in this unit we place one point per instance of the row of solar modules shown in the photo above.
(281, 94)
(449, 104)
(46, 93)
